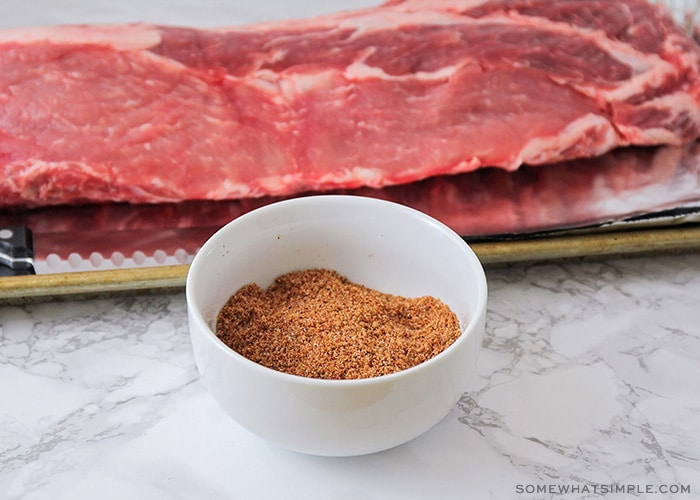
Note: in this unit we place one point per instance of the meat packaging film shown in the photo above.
(685, 12)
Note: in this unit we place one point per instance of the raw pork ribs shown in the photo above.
(381, 96)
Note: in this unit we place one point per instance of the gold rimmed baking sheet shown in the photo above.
(163, 279)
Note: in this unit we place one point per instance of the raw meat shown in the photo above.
(389, 95)
(490, 202)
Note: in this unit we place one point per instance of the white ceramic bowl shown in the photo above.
(379, 244)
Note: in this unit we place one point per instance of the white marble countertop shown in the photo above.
(589, 379)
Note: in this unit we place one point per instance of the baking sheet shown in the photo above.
(162, 279)
(655, 186)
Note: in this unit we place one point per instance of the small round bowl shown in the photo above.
(379, 244)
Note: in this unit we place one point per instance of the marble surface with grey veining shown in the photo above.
(589, 378)
(588, 381)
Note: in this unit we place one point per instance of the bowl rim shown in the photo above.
(466, 332)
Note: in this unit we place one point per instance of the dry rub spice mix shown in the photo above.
(316, 323)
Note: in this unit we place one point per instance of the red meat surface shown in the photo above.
(619, 185)
(376, 97)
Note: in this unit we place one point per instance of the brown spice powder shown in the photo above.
(316, 323)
